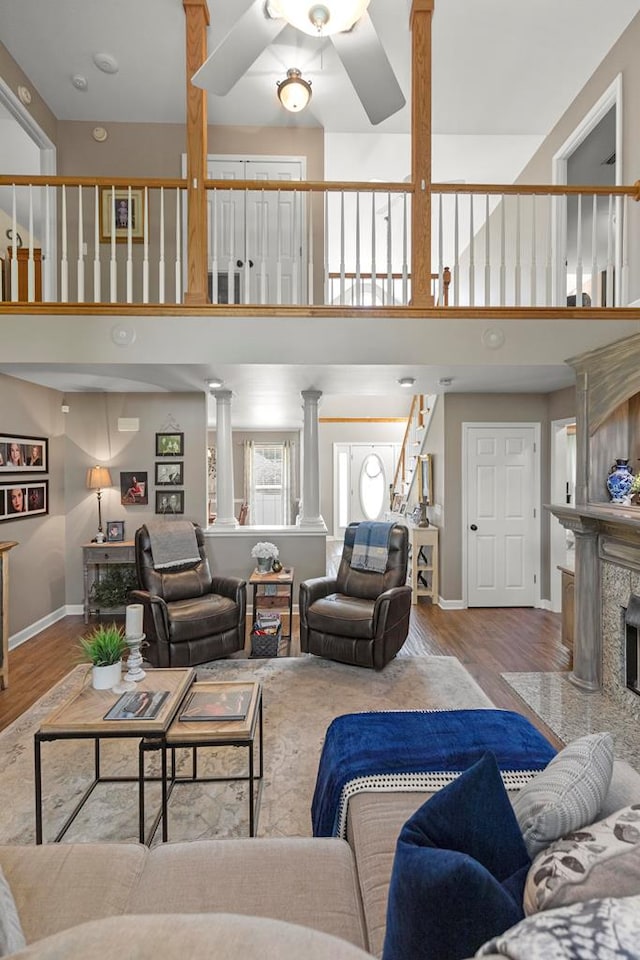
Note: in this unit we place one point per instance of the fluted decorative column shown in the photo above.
(224, 461)
(310, 515)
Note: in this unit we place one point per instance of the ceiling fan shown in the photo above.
(346, 24)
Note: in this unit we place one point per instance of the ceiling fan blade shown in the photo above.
(241, 47)
(370, 72)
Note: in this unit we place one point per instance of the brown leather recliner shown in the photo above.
(189, 616)
(359, 617)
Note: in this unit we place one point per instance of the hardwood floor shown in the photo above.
(486, 641)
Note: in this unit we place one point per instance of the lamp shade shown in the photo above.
(294, 93)
(97, 478)
(330, 16)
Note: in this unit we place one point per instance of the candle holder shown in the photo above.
(134, 660)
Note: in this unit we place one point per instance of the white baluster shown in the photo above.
(214, 246)
(310, 250)
(579, 253)
(624, 279)
(518, 266)
(440, 301)
(328, 284)
(358, 281)
(130, 247)
(405, 252)
(342, 263)
(456, 251)
(64, 262)
(487, 254)
(96, 245)
(548, 285)
(80, 278)
(279, 248)
(48, 266)
(14, 247)
(374, 269)
(503, 252)
(178, 266)
(31, 267)
(534, 255)
(297, 243)
(145, 255)
(389, 253)
(113, 263)
(610, 248)
(472, 256)
(263, 249)
(595, 286)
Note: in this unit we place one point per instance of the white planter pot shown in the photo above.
(103, 678)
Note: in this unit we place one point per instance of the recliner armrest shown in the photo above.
(315, 589)
(394, 603)
(156, 609)
(231, 587)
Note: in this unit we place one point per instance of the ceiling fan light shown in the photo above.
(294, 93)
(332, 16)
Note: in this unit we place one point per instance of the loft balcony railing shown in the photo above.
(314, 244)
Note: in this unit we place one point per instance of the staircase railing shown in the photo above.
(413, 443)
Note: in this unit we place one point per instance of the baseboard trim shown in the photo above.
(544, 605)
(451, 604)
(23, 635)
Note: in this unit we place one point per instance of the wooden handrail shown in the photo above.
(402, 459)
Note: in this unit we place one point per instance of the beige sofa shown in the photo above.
(296, 893)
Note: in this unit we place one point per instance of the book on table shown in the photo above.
(138, 705)
(218, 704)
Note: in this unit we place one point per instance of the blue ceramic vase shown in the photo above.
(619, 482)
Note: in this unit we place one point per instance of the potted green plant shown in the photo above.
(103, 648)
(113, 586)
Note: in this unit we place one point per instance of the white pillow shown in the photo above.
(567, 794)
(11, 935)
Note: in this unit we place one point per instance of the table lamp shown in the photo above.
(97, 478)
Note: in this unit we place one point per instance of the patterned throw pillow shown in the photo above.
(567, 794)
(584, 931)
(597, 861)
(11, 935)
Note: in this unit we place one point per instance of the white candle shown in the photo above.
(133, 621)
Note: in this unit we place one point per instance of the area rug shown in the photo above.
(571, 712)
(301, 697)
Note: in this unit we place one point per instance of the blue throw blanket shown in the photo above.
(392, 750)
(371, 546)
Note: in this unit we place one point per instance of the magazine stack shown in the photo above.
(266, 633)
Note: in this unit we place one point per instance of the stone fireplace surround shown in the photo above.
(607, 547)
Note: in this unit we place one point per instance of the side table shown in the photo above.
(274, 591)
(94, 555)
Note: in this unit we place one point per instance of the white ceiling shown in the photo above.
(501, 69)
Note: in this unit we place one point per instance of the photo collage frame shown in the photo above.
(23, 493)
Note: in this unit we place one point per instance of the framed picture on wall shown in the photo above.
(169, 503)
(134, 488)
(169, 444)
(426, 478)
(24, 499)
(122, 209)
(19, 454)
(170, 474)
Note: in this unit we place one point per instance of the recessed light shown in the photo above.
(79, 82)
(406, 381)
(493, 338)
(445, 381)
(25, 95)
(106, 63)
(99, 134)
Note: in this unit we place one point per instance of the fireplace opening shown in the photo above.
(632, 644)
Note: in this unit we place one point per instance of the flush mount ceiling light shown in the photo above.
(79, 82)
(332, 16)
(99, 134)
(215, 384)
(25, 95)
(294, 93)
(406, 381)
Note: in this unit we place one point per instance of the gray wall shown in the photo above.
(37, 564)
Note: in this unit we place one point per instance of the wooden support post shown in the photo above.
(421, 17)
(197, 19)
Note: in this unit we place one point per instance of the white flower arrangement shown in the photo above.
(265, 551)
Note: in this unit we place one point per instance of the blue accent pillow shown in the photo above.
(459, 870)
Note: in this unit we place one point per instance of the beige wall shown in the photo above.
(36, 565)
(490, 408)
(92, 436)
(14, 77)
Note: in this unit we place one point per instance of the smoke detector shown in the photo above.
(106, 63)
(79, 82)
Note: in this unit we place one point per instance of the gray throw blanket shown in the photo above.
(173, 543)
(371, 546)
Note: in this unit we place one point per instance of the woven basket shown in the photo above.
(265, 646)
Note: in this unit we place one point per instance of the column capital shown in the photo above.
(222, 396)
(311, 396)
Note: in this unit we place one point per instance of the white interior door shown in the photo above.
(501, 493)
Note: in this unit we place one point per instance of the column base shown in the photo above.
(311, 523)
(590, 686)
(228, 522)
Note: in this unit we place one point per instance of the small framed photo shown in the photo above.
(169, 444)
(426, 478)
(402, 509)
(169, 503)
(20, 454)
(121, 215)
(395, 503)
(24, 499)
(170, 474)
(115, 531)
(134, 488)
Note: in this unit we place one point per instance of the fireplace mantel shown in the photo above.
(605, 534)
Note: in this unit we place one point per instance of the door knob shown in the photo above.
(473, 527)
(239, 263)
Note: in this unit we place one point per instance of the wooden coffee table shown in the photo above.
(81, 717)
(213, 732)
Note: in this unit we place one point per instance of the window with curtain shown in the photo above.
(268, 482)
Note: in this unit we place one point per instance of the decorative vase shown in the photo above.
(264, 564)
(619, 482)
(103, 678)
(276, 566)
